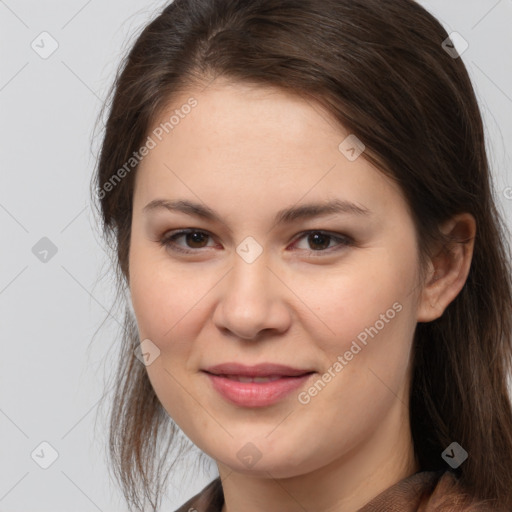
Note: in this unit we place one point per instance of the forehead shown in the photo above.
(263, 144)
(243, 119)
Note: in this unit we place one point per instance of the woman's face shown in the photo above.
(265, 279)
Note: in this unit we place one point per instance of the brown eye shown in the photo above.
(319, 242)
(194, 239)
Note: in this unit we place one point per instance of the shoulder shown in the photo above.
(425, 492)
(429, 491)
(449, 495)
(210, 499)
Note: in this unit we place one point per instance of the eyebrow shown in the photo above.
(285, 216)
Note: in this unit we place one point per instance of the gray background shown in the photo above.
(53, 366)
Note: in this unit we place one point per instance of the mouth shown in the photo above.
(255, 386)
(265, 370)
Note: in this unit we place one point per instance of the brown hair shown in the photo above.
(381, 71)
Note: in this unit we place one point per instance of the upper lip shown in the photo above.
(258, 370)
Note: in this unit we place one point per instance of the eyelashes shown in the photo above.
(319, 237)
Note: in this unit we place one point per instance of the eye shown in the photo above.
(319, 241)
(192, 236)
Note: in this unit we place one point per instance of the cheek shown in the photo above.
(363, 302)
(167, 307)
(371, 311)
(166, 297)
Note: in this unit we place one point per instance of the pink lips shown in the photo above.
(272, 382)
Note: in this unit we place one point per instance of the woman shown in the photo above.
(298, 197)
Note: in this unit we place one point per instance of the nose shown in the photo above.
(252, 301)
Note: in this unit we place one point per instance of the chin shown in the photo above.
(259, 459)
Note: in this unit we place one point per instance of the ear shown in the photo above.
(449, 268)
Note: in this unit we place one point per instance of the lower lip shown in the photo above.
(256, 394)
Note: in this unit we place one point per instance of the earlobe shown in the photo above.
(448, 268)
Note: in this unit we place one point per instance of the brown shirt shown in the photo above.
(423, 492)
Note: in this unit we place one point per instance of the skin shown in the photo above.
(247, 152)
